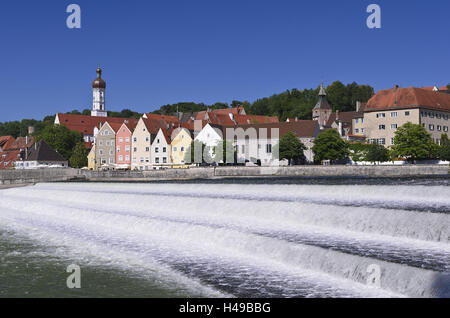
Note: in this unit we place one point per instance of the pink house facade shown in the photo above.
(123, 144)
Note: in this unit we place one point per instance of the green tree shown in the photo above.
(290, 148)
(358, 151)
(330, 146)
(79, 156)
(197, 153)
(377, 153)
(61, 139)
(413, 142)
(444, 149)
(224, 152)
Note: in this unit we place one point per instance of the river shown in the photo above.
(228, 238)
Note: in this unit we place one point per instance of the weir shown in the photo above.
(252, 240)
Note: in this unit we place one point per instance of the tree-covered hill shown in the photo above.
(289, 104)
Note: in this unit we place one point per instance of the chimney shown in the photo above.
(358, 106)
(31, 130)
(396, 87)
(296, 119)
(337, 114)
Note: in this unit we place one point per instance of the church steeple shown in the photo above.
(99, 88)
(322, 110)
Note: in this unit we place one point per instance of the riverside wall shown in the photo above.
(18, 177)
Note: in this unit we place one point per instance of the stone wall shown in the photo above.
(52, 175)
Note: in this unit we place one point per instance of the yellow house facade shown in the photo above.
(179, 146)
(91, 159)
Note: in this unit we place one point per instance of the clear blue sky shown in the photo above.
(168, 51)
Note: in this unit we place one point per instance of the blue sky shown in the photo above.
(160, 52)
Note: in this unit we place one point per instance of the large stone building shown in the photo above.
(390, 109)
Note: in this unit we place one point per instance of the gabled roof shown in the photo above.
(6, 141)
(301, 128)
(41, 151)
(7, 159)
(86, 124)
(22, 143)
(166, 118)
(408, 98)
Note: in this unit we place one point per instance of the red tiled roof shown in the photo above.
(408, 97)
(166, 118)
(21, 143)
(6, 141)
(86, 124)
(7, 159)
(301, 128)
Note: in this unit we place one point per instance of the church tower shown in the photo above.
(99, 88)
(322, 111)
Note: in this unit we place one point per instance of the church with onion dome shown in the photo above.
(99, 88)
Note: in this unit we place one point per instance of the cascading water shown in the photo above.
(220, 240)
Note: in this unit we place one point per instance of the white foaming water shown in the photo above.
(250, 240)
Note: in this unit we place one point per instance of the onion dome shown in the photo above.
(99, 82)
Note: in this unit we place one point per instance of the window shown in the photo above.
(142, 159)
(268, 148)
(100, 143)
(112, 143)
(103, 161)
(243, 148)
(445, 128)
(381, 115)
(127, 139)
(107, 143)
(174, 148)
(156, 149)
(147, 149)
(394, 114)
(439, 128)
(356, 130)
(157, 141)
(118, 148)
(424, 114)
(182, 149)
(134, 149)
(392, 141)
(146, 159)
(438, 116)
(135, 139)
(120, 140)
(120, 158)
(111, 152)
(381, 141)
(100, 151)
(407, 113)
(157, 160)
(164, 160)
(431, 115)
(394, 126)
(431, 127)
(357, 121)
(362, 120)
(127, 158)
(382, 127)
(362, 130)
(111, 160)
(164, 149)
(127, 148)
(445, 117)
(147, 139)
